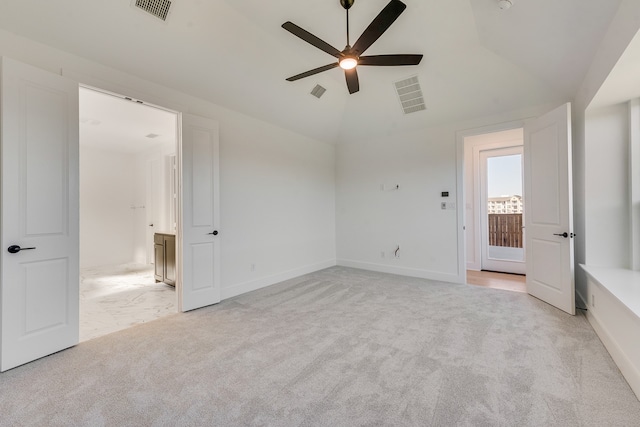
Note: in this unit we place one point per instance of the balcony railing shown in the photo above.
(505, 230)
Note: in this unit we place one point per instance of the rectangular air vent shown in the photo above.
(157, 8)
(318, 91)
(410, 95)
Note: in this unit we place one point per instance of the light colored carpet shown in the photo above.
(340, 347)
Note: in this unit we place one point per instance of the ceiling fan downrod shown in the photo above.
(347, 5)
(348, 42)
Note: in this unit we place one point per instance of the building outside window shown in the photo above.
(504, 205)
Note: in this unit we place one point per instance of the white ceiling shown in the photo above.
(114, 124)
(479, 60)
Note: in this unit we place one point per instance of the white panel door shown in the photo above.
(200, 240)
(40, 281)
(549, 219)
(152, 203)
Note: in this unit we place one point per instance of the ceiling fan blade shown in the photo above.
(312, 72)
(390, 60)
(311, 39)
(352, 80)
(379, 25)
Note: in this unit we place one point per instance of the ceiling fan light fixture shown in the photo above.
(348, 63)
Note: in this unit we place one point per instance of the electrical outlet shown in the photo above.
(443, 205)
(593, 301)
(451, 205)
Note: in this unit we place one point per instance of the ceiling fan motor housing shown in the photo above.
(347, 3)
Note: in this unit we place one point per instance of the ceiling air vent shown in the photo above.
(318, 91)
(410, 95)
(157, 8)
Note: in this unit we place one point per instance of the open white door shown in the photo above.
(199, 247)
(40, 277)
(549, 219)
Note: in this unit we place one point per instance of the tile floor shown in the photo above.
(117, 297)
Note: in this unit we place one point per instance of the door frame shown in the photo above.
(73, 83)
(461, 197)
(178, 147)
(151, 97)
(483, 153)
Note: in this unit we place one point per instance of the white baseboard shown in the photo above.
(619, 356)
(403, 271)
(252, 285)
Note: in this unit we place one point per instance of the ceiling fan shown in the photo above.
(350, 57)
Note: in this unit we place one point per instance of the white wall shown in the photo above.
(423, 163)
(278, 207)
(276, 186)
(371, 220)
(601, 194)
(106, 217)
(622, 29)
(606, 186)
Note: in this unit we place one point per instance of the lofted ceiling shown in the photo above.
(479, 60)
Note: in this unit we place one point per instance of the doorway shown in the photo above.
(40, 165)
(128, 194)
(501, 210)
(494, 209)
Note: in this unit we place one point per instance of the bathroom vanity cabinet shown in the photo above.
(165, 258)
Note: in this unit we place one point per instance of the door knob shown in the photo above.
(214, 232)
(14, 249)
(565, 234)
